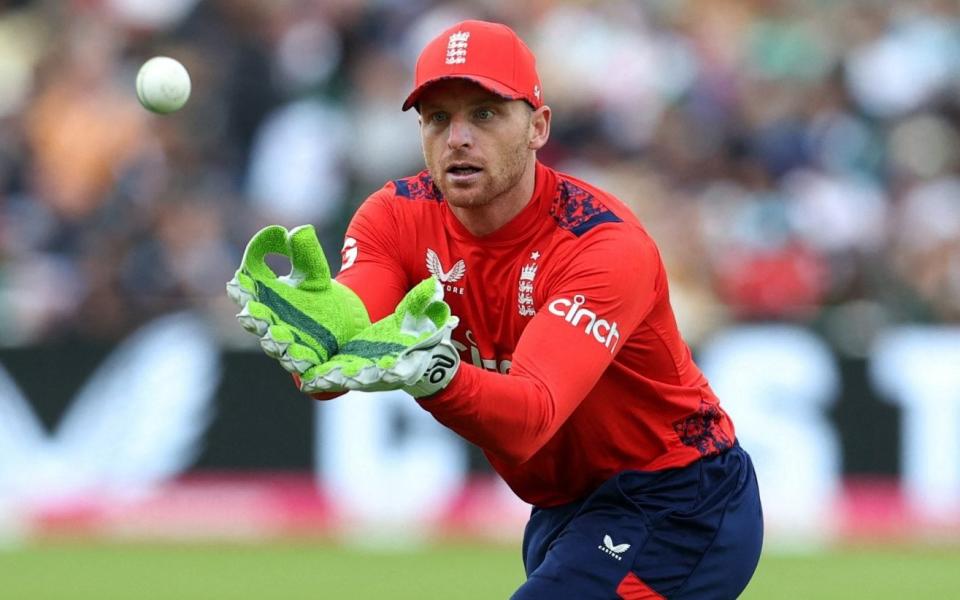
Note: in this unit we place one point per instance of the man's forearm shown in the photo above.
(510, 416)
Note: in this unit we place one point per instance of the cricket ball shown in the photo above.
(163, 85)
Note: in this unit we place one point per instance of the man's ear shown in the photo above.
(539, 127)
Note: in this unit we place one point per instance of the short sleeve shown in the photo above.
(371, 264)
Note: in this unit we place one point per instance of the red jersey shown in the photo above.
(572, 365)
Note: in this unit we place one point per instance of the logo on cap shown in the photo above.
(457, 48)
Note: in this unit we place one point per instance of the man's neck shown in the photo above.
(484, 220)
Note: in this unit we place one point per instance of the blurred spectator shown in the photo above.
(796, 161)
(82, 129)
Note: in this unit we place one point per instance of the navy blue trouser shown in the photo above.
(688, 533)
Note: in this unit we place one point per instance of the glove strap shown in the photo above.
(444, 362)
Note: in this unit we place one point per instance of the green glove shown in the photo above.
(302, 318)
(409, 349)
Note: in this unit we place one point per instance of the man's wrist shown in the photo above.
(443, 366)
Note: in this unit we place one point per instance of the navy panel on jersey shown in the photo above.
(693, 532)
(418, 187)
(578, 211)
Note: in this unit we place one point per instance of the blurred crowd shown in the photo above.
(797, 160)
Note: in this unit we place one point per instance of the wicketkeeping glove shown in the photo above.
(409, 349)
(302, 318)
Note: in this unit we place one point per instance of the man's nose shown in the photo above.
(460, 134)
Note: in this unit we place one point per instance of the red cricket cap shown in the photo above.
(489, 54)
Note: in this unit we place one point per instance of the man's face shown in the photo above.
(476, 144)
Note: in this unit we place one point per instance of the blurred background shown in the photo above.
(798, 163)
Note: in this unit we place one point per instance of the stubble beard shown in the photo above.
(492, 185)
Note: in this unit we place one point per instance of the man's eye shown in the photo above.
(438, 117)
(484, 114)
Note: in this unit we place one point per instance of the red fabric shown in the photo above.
(490, 54)
(632, 588)
(569, 375)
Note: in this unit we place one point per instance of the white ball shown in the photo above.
(163, 85)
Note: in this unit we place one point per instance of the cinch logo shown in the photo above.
(610, 549)
(490, 364)
(573, 312)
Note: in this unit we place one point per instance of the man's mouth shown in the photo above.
(463, 169)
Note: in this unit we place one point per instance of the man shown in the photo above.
(580, 390)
